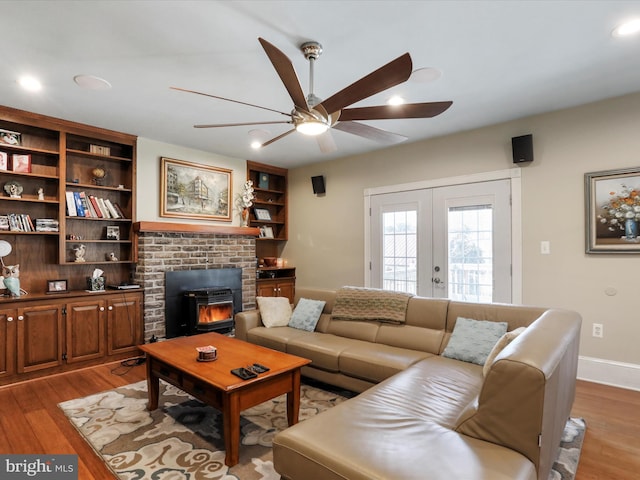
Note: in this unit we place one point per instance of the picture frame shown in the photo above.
(10, 138)
(57, 286)
(612, 199)
(263, 181)
(266, 232)
(113, 232)
(21, 163)
(262, 214)
(193, 190)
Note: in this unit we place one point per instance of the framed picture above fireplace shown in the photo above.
(193, 190)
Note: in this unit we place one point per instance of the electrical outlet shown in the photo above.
(597, 330)
(545, 247)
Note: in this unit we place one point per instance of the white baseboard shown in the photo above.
(609, 372)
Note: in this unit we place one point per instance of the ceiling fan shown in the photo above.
(313, 116)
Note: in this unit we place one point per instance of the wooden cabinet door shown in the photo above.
(267, 288)
(7, 342)
(287, 288)
(123, 323)
(85, 322)
(40, 338)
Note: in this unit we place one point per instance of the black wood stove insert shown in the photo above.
(210, 309)
(208, 286)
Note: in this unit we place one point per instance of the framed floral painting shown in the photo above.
(613, 211)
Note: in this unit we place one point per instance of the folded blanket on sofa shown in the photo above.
(356, 303)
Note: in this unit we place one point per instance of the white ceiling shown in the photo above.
(501, 60)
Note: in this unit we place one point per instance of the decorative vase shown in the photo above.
(245, 217)
(630, 229)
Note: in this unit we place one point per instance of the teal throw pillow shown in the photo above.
(472, 340)
(306, 314)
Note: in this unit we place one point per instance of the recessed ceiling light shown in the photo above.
(91, 82)
(425, 75)
(258, 136)
(30, 83)
(395, 100)
(632, 27)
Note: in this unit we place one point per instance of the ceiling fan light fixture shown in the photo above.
(312, 127)
(395, 100)
(626, 29)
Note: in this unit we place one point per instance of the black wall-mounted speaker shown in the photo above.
(522, 148)
(318, 184)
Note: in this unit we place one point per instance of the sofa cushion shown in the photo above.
(377, 362)
(414, 338)
(276, 338)
(505, 340)
(472, 340)
(322, 349)
(306, 314)
(274, 311)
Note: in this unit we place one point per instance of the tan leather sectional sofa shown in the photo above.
(423, 416)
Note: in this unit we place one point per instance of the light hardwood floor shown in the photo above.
(32, 422)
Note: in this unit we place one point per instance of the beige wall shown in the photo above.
(148, 181)
(326, 234)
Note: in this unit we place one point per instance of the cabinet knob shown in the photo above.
(110, 307)
(20, 317)
(9, 319)
(102, 309)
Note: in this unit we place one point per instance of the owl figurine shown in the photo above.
(11, 279)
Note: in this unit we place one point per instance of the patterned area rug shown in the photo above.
(183, 439)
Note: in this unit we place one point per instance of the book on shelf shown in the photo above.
(71, 204)
(111, 208)
(20, 222)
(124, 286)
(4, 222)
(47, 225)
(119, 210)
(96, 207)
(103, 208)
(79, 207)
(85, 205)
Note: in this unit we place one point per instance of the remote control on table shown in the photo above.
(260, 368)
(243, 373)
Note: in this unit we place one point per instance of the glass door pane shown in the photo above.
(400, 252)
(470, 258)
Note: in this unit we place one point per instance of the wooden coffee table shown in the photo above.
(175, 361)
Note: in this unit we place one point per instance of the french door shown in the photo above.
(445, 242)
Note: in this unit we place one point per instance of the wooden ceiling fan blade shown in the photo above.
(269, 142)
(286, 72)
(216, 125)
(386, 112)
(326, 142)
(371, 133)
(229, 100)
(387, 76)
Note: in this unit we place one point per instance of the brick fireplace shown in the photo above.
(164, 247)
